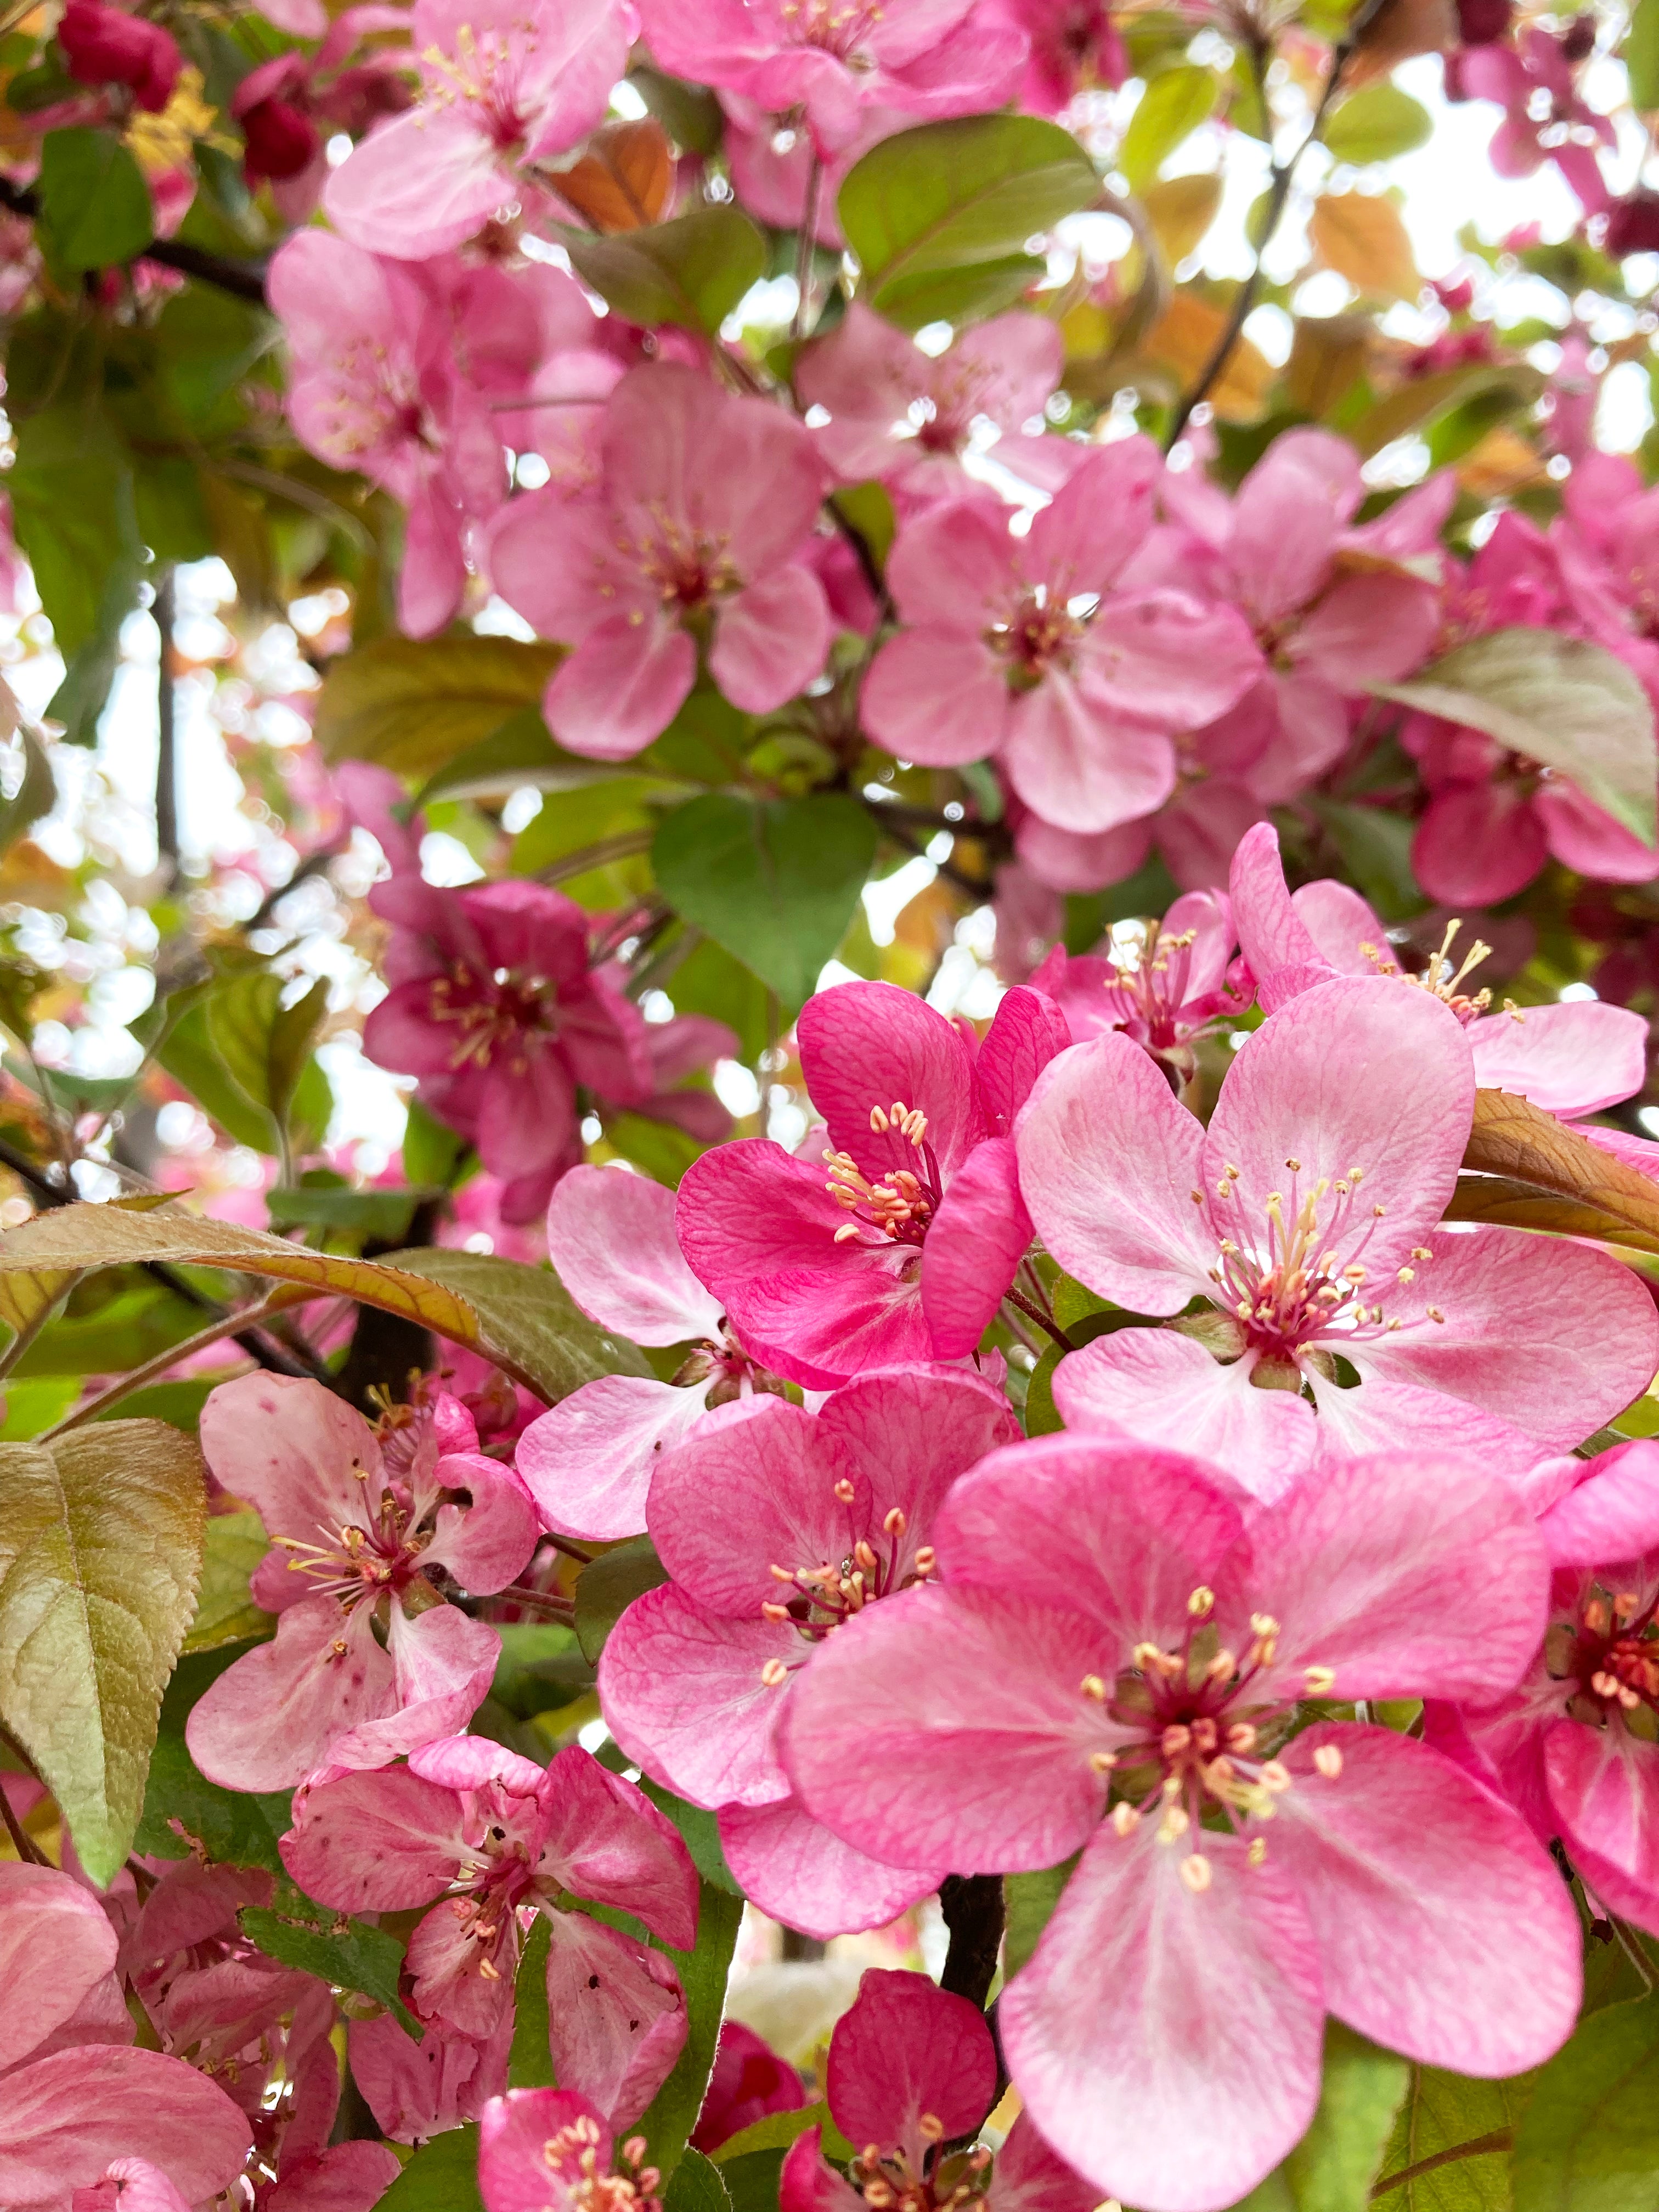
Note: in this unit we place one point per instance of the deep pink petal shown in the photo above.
(64, 2118)
(488, 1542)
(869, 1046)
(749, 2081)
(1167, 2041)
(1368, 629)
(275, 1715)
(134, 2185)
(615, 2015)
(1108, 1159)
(1031, 2177)
(797, 1871)
(611, 1237)
(902, 2048)
(515, 2173)
(1603, 1787)
(348, 2176)
(589, 1460)
(420, 2089)
(973, 1248)
(606, 1842)
(1445, 1931)
(460, 1975)
(55, 1945)
(1610, 1514)
(1572, 1059)
(910, 1435)
(809, 2184)
(1029, 1030)
(1478, 844)
(681, 1692)
(375, 1843)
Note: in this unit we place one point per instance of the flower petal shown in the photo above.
(611, 1237)
(589, 1460)
(795, 1870)
(375, 1843)
(904, 2048)
(607, 1843)
(973, 1248)
(865, 1047)
(615, 2015)
(682, 1691)
(1572, 1059)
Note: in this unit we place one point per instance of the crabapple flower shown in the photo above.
(549, 2150)
(1179, 982)
(75, 2097)
(907, 417)
(496, 1838)
(706, 501)
(911, 2067)
(1075, 45)
(418, 2090)
(493, 1005)
(1306, 1217)
(775, 1527)
(749, 2081)
(1023, 647)
(588, 1461)
(502, 87)
(904, 1253)
(1573, 1746)
(831, 63)
(1112, 1664)
(106, 46)
(1569, 1058)
(361, 1519)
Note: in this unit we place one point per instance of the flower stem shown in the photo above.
(1499, 2139)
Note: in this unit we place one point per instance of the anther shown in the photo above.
(1195, 1872)
(847, 1232)
(774, 1674)
(1126, 1818)
(1201, 1602)
(845, 1491)
(1434, 1313)
(1329, 1759)
(1092, 1687)
(865, 1556)
(778, 1613)
(1103, 1762)
(1241, 1738)
(926, 1559)
(1275, 1776)
(781, 1574)
(894, 1523)
(1257, 1852)
(879, 1122)
(930, 2127)
(1320, 1681)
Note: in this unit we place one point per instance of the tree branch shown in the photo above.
(973, 1909)
(166, 749)
(245, 279)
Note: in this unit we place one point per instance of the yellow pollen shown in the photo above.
(1195, 1872)
(1201, 1602)
(774, 1674)
(1320, 1681)
(1174, 1825)
(895, 1524)
(1092, 1687)
(1329, 1759)
(1125, 1819)
(930, 2127)
(1103, 1762)
(926, 1559)
(1258, 1850)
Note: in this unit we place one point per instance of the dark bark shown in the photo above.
(973, 1910)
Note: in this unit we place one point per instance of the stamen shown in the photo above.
(1329, 1759)
(1201, 1602)
(774, 1674)
(1320, 1681)
(1195, 1872)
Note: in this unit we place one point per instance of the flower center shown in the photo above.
(689, 568)
(1611, 1658)
(1039, 634)
(1443, 978)
(572, 2160)
(821, 1597)
(898, 1205)
(482, 74)
(837, 30)
(1304, 1278)
(893, 2184)
(356, 1561)
(508, 1010)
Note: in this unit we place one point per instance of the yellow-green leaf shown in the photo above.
(1360, 235)
(1180, 211)
(100, 1550)
(413, 706)
(233, 1545)
(1174, 103)
(1527, 1170)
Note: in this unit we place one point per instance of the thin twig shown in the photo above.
(549, 1600)
(1032, 1312)
(809, 223)
(314, 864)
(973, 1910)
(214, 1333)
(571, 1551)
(166, 750)
(25, 1336)
(1499, 2139)
(622, 847)
(245, 279)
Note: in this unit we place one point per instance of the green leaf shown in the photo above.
(262, 1045)
(529, 2062)
(385, 1215)
(530, 1318)
(541, 1667)
(700, 1831)
(606, 1588)
(1171, 108)
(696, 2186)
(233, 1545)
(940, 216)
(774, 882)
(867, 510)
(349, 1954)
(1559, 700)
(1377, 125)
(441, 2176)
(703, 1973)
(1589, 2140)
(1641, 52)
(1334, 2165)
(772, 2131)
(100, 1550)
(191, 1056)
(432, 1150)
(70, 488)
(1440, 2112)
(36, 1402)
(692, 271)
(95, 204)
(1030, 1900)
(1375, 848)
(1042, 1415)
(228, 1826)
(751, 2181)
(415, 705)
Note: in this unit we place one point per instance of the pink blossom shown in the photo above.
(416, 2090)
(493, 1005)
(1109, 1628)
(930, 58)
(749, 2081)
(1180, 981)
(588, 1461)
(776, 1526)
(1022, 647)
(1569, 1058)
(495, 1838)
(1075, 47)
(1306, 1218)
(1572, 1746)
(908, 417)
(706, 499)
(1531, 81)
(282, 104)
(502, 86)
(906, 1249)
(362, 1520)
(374, 387)
(911, 2067)
(549, 2150)
(106, 46)
(771, 166)
(73, 2095)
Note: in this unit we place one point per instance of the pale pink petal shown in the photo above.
(615, 2015)
(590, 1459)
(420, 184)
(1368, 629)
(433, 578)
(1609, 1513)
(1603, 1787)
(771, 639)
(607, 1843)
(1351, 1076)
(55, 1945)
(1445, 1931)
(1366, 1565)
(375, 1843)
(293, 1448)
(487, 1542)
(869, 1046)
(1167, 2040)
(611, 1237)
(1107, 1161)
(1084, 765)
(1546, 1332)
(1272, 932)
(975, 1245)
(797, 1871)
(1286, 519)
(459, 1979)
(902, 2048)
(620, 688)
(1094, 524)
(910, 1435)
(1163, 1389)
(64, 2118)
(1383, 1414)
(514, 2171)
(444, 1664)
(985, 1740)
(681, 1692)
(276, 1714)
(952, 567)
(1341, 924)
(936, 695)
(135, 2186)
(1168, 659)
(473, 1762)
(1566, 1059)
